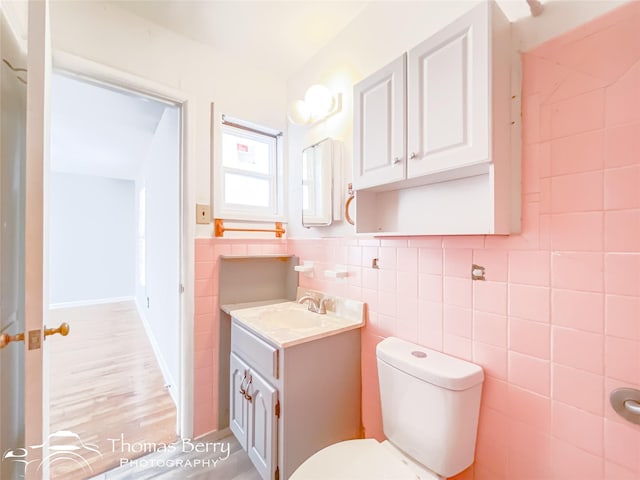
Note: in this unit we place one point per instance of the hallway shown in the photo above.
(106, 387)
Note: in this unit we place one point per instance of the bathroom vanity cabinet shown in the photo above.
(288, 402)
(432, 135)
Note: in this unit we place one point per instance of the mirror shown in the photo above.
(318, 172)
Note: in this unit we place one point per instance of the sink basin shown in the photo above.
(290, 323)
(293, 318)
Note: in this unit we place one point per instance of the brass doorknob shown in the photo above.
(7, 339)
(63, 330)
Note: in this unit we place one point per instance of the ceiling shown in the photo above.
(278, 36)
(100, 131)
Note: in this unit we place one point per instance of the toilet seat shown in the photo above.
(359, 460)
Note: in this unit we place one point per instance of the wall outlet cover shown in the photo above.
(203, 213)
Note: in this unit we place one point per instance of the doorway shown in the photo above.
(113, 250)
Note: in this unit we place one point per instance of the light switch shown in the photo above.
(203, 213)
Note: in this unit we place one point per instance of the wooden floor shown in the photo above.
(225, 461)
(106, 388)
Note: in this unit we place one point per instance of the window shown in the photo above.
(251, 180)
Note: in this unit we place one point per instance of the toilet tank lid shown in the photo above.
(429, 365)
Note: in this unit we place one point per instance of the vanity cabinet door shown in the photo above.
(379, 127)
(252, 416)
(238, 406)
(448, 97)
(262, 437)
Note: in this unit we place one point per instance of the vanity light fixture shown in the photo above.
(318, 104)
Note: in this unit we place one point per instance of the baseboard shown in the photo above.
(215, 435)
(86, 303)
(166, 374)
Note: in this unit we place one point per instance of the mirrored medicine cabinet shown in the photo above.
(320, 182)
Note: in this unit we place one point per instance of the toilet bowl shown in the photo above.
(430, 408)
(365, 459)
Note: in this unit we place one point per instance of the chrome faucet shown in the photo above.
(314, 305)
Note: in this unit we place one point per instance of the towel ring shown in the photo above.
(347, 216)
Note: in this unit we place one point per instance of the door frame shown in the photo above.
(98, 73)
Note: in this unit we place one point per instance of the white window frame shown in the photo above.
(228, 211)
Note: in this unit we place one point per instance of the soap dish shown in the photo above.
(336, 273)
(306, 268)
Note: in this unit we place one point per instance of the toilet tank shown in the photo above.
(430, 404)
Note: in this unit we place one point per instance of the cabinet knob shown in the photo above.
(413, 155)
(397, 160)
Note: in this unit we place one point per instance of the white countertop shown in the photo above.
(237, 306)
(288, 323)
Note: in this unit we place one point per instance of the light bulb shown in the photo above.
(319, 101)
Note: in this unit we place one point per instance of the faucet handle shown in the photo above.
(312, 303)
(324, 301)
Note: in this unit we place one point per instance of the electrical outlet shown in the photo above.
(203, 213)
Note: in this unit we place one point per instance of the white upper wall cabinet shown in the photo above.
(449, 169)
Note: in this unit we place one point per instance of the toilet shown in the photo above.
(430, 408)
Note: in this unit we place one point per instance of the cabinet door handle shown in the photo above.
(413, 155)
(246, 394)
(242, 390)
(397, 160)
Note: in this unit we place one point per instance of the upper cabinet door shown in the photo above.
(448, 97)
(379, 127)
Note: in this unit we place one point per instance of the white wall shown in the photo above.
(160, 177)
(381, 33)
(91, 238)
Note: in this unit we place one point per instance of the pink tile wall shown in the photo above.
(206, 318)
(556, 326)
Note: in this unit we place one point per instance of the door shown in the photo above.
(379, 127)
(448, 97)
(13, 109)
(238, 405)
(262, 438)
(25, 410)
(253, 417)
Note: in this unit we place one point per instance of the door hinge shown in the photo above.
(278, 409)
(181, 288)
(276, 475)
